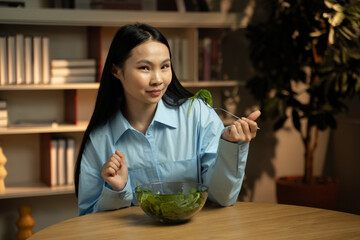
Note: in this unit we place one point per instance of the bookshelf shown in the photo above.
(73, 32)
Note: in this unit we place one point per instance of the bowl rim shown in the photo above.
(203, 186)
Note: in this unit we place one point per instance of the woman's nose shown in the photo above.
(156, 78)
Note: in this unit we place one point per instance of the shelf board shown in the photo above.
(84, 17)
(50, 86)
(81, 127)
(207, 84)
(34, 190)
(69, 86)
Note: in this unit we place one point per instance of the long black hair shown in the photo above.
(110, 98)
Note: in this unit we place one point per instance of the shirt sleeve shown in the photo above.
(222, 162)
(94, 194)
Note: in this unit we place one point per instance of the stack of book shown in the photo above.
(58, 161)
(73, 71)
(24, 59)
(3, 114)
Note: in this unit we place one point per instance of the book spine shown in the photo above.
(207, 59)
(70, 161)
(53, 162)
(20, 61)
(63, 72)
(37, 60)
(61, 63)
(45, 59)
(61, 162)
(28, 51)
(3, 61)
(185, 59)
(11, 59)
(73, 79)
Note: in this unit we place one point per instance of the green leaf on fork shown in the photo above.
(204, 95)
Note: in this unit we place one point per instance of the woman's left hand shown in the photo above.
(242, 130)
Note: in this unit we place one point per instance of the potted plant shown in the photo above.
(315, 44)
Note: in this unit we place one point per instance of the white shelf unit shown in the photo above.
(69, 31)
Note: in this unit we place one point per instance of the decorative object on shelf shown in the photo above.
(306, 58)
(3, 172)
(25, 223)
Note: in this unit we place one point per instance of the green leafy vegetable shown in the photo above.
(204, 95)
(171, 207)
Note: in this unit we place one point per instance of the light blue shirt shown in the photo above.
(175, 147)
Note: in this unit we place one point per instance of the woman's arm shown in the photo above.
(95, 194)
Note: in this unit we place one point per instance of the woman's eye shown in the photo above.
(165, 66)
(144, 68)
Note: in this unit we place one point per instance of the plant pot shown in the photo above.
(322, 193)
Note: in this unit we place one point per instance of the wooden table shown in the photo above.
(242, 221)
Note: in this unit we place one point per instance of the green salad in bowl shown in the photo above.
(171, 202)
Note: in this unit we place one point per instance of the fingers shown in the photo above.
(114, 164)
(242, 130)
(254, 115)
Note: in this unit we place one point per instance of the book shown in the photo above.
(61, 162)
(3, 113)
(45, 59)
(3, 61)
(63, 72)
(20, 61)
(117, 4)
(70, 160)
(61, 63)
(28, 55)
(206, 59)
(48, 160)
(4, 123)
(185, 59)
(11, 59)
(3, 104)
(37, 62)
(73, 79)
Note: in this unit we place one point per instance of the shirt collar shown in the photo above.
(164, 114)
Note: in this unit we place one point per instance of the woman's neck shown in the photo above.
(140, 117)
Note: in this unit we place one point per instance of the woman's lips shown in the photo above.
(156, 92)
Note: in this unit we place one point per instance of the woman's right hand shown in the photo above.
(115, 171)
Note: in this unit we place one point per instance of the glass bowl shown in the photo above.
(171, 202)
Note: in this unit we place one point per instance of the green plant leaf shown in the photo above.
(204, 95)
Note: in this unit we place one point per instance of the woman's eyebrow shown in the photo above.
(149, 62)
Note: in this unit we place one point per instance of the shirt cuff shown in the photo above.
(110, 199)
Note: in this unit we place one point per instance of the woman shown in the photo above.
(140, 130)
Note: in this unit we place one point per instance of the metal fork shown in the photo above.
(219, 108)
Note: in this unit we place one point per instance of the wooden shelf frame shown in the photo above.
(35, 190)
(176, 21)
(89, 86)
(107, 18)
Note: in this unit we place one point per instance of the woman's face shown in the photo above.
(146, 74)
